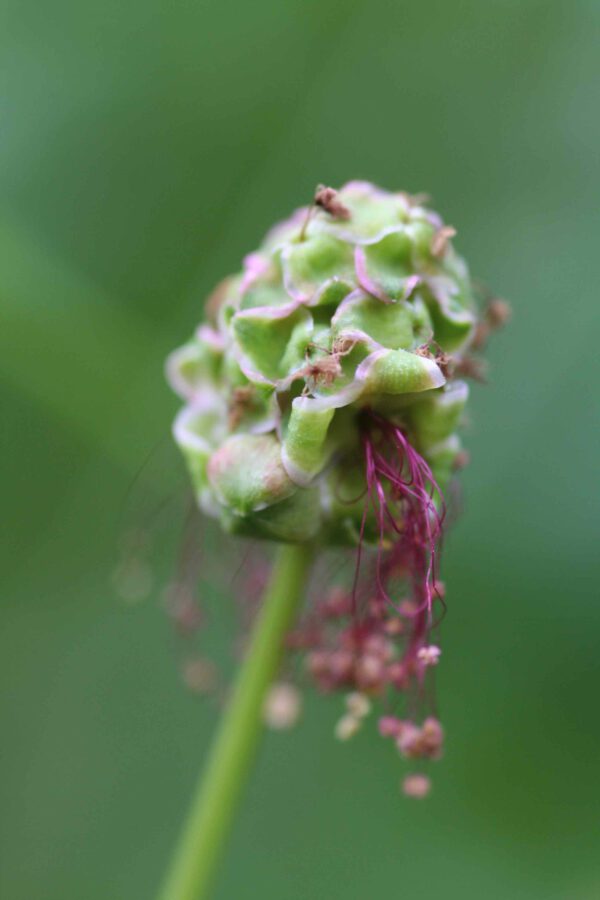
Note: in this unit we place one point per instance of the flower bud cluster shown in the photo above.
(358, 302)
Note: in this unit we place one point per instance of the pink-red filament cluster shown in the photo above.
(375, 637)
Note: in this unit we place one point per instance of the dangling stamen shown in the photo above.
(401, 490)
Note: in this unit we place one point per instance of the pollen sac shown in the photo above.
(357, 302)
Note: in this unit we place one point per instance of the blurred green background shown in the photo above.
(145, 147)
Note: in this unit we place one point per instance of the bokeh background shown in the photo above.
(145, 147)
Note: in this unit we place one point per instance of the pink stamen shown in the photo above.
(401, 492)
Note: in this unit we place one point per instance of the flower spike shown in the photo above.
(322, 403)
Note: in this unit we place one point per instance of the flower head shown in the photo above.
(354, 310)
(321, 404)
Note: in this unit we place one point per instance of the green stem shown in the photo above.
(213, 805)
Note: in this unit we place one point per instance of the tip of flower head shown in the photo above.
(418, 786)
(327, 198)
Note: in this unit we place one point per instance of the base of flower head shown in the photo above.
(367, 635)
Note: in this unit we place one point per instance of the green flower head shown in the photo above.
(355, 307)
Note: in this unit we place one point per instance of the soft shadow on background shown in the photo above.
(145, 147)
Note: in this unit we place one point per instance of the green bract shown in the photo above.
(330, 316)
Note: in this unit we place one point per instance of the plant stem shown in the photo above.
(218, 790)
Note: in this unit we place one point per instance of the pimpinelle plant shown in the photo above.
(323, 396)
